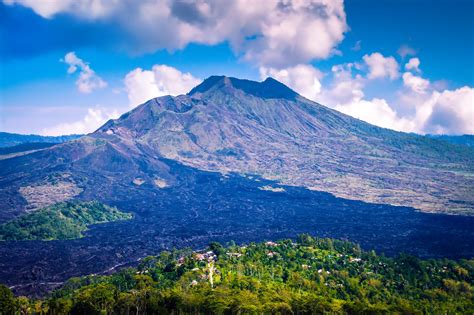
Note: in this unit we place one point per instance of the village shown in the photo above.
(206, 261)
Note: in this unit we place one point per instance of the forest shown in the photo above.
(64, 220)
(306, 276)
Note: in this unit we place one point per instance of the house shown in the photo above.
(237, 255)
(199, 257)
(180, 261)
(269, 243)
(208, 256)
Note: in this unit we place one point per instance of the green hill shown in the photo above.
(312, 276)
(66, 220)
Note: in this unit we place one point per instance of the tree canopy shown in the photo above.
(310, 276)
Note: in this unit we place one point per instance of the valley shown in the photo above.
(204, 206)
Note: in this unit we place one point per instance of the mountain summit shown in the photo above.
(270, 88)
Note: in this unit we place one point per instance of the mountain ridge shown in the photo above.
(11, 139)
(226, 125)
(228, 115)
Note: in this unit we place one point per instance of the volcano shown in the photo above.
(242, 160)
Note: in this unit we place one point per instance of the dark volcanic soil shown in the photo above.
(206, 206)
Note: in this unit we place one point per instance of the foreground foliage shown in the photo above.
(311, 276)
(64, 220)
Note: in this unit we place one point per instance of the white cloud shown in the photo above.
(298, 31)
(344, 87)
(270, 33)
(448, 112)
(406, 50)
(88, 80)
(413, 64)
(380, 66)
(376, 111)
(142, 85)
(94, 118)
(346, 94)
(84, 8)
(305, 79)
(415, 83)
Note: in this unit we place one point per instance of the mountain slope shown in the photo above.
(460, 140)
(231, 125)
(226, 124)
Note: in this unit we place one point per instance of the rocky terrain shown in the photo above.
(227, 125)
(242, 160)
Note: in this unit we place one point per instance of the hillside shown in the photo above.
(11, 139)
(66, 220)
(28, 146)
(308, 277)
(461, 140)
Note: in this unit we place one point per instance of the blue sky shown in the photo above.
(68, 66)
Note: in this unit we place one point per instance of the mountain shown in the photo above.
(237, 160)
(231, 125)
(12, 139)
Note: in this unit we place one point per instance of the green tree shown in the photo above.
(7, 301)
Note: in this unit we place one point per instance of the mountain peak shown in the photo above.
(270, 88)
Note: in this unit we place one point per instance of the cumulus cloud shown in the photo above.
(88, 80)
(298, 31)
(346, 94)
(448, 112)
(142, 85)
(377, 112)
(302, 78)
(270, 33)
(413, 64)
(415, 83)
(94, 118)
(380, 66)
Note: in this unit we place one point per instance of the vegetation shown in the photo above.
(311, 276)
(64, 220)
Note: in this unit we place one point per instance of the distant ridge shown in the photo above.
(11, 139)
